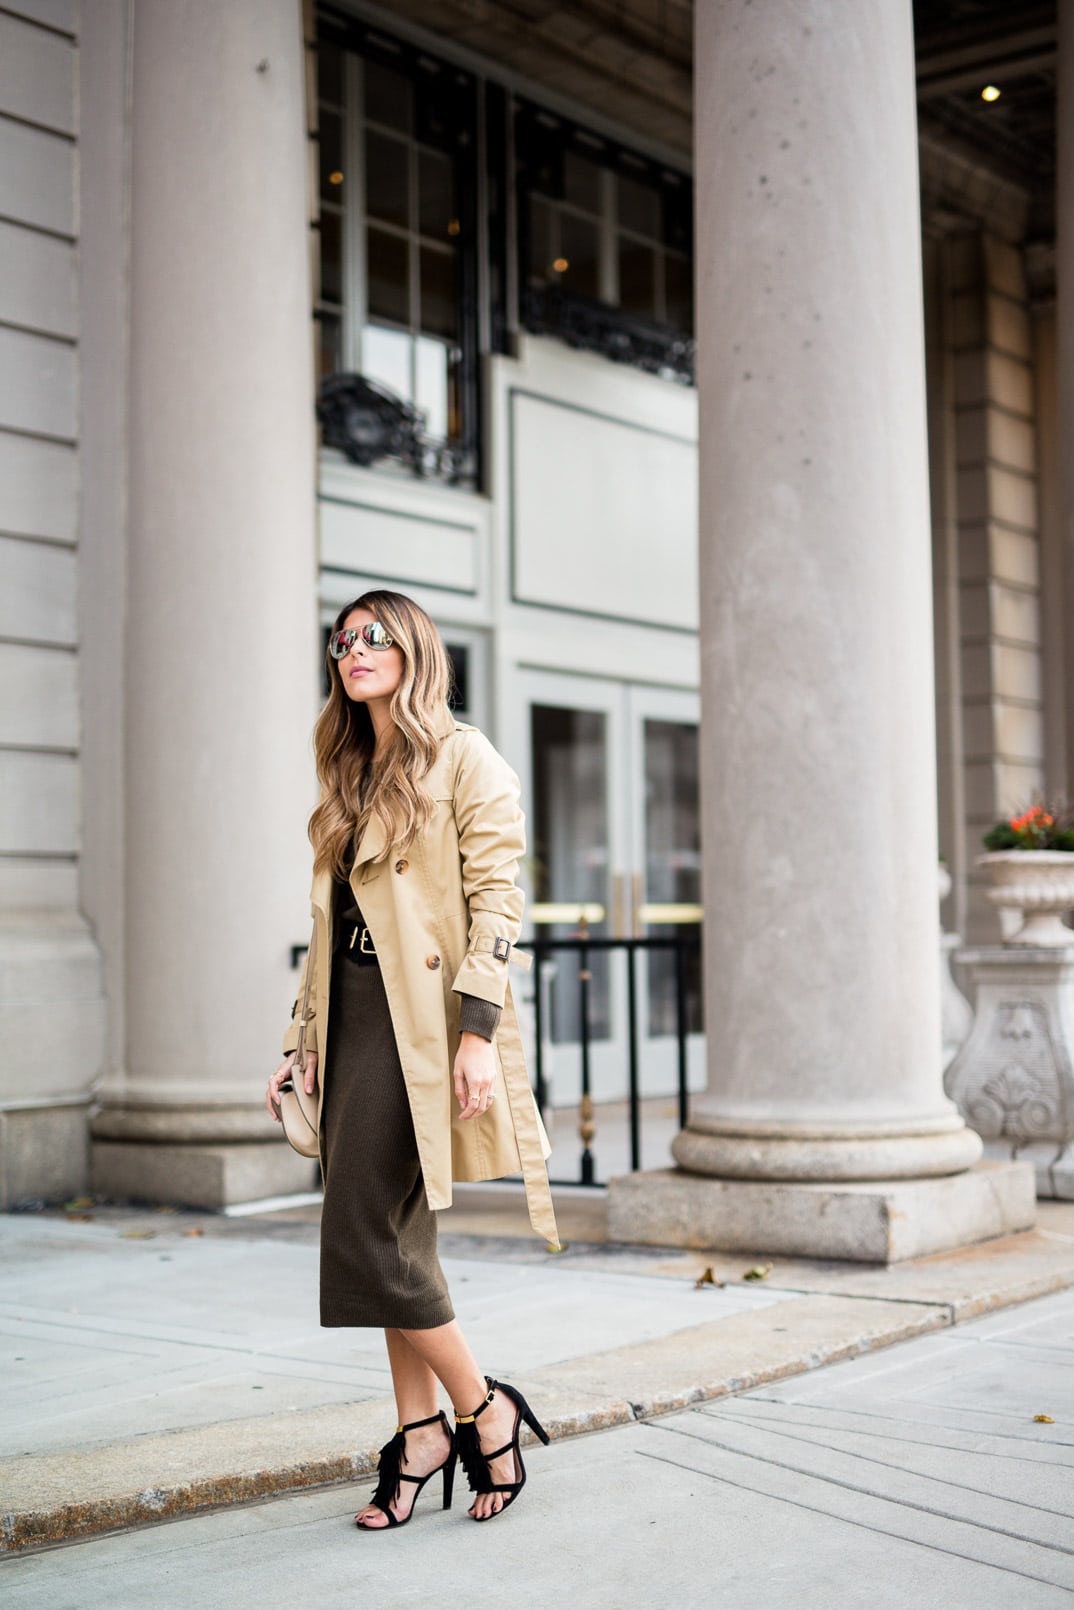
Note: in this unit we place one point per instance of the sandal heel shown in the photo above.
(449, 1480)
(534, 1424)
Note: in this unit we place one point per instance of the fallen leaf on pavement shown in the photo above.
(760, 1271)
(1045, 1418)
(707, 1279)
(197, 1230)
(138, 1235)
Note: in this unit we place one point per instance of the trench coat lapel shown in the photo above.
(372, 842)
(321, 894)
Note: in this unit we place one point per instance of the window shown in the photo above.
(606, 245)
(397, 302)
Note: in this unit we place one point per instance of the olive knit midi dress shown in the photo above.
(379, 1261)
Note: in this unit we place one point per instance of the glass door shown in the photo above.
(666, 884)
(578, 828)
(611, 795)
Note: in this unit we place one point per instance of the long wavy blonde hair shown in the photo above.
(354, 788)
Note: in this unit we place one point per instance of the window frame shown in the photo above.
(362, 43)
(599, 323)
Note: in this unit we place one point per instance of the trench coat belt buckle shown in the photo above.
(503, 950)
(365, 941)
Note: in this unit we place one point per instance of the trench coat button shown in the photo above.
(401, 866)
(432, 961)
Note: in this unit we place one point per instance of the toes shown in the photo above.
(371, 1519)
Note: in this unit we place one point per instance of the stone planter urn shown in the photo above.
(1038, 884)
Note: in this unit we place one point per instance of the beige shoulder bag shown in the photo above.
(298, 1112)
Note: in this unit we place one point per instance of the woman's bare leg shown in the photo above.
(446, 1352)
(415, 1388)
(419, 1358)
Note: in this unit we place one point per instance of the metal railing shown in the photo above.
(543, 951)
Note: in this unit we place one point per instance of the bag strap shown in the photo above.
(300, 1046)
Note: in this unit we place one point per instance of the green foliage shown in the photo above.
(1040, 826)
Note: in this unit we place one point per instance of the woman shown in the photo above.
(417, 840)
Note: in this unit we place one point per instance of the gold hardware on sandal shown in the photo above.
(468, 1419)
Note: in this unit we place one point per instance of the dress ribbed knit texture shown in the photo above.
(379, 1261)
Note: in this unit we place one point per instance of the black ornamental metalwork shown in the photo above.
(368, 423)
(595, 327)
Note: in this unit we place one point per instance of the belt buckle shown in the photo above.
(501, 955)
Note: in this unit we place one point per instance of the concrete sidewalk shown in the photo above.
(159, 1363)
(915, 1476)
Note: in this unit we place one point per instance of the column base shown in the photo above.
(44, 1153)
(703, 1149)
(876, 1221)
(209, 1176)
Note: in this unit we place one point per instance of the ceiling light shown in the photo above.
(561, 265)
(991, 93)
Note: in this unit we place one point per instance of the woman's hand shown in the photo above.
(474, 1074)
(281, 1076)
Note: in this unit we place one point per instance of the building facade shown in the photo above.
(302, 300)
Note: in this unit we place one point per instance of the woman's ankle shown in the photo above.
(476, 1397)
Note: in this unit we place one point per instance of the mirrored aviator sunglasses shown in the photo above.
(373, 635)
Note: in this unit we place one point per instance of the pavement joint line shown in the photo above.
(885, 1464)
(1007, 1436)
(852, 1520)
(828, 1480)
(761, 1421)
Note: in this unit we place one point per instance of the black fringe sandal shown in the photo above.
(390, 1473)
(475, 1461)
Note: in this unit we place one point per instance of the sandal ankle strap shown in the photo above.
(414, 1424)
(468, 1419)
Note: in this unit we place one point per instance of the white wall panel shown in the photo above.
(38, 384)
(37, 178)
(37, 591)
(38, 488)
(37, 75)
(38, 803)
(38, 696)
(403, 546)
(37, 281)
(604, 514)
(36, 883)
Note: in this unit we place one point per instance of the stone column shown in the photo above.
(818, 749)
(1064, 291)
(221, 638)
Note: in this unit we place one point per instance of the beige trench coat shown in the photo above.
(438, 914)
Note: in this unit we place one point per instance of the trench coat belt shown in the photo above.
(503, 950)
(542, 1214)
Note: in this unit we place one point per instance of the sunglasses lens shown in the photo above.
(341, 643)
(376, 636)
